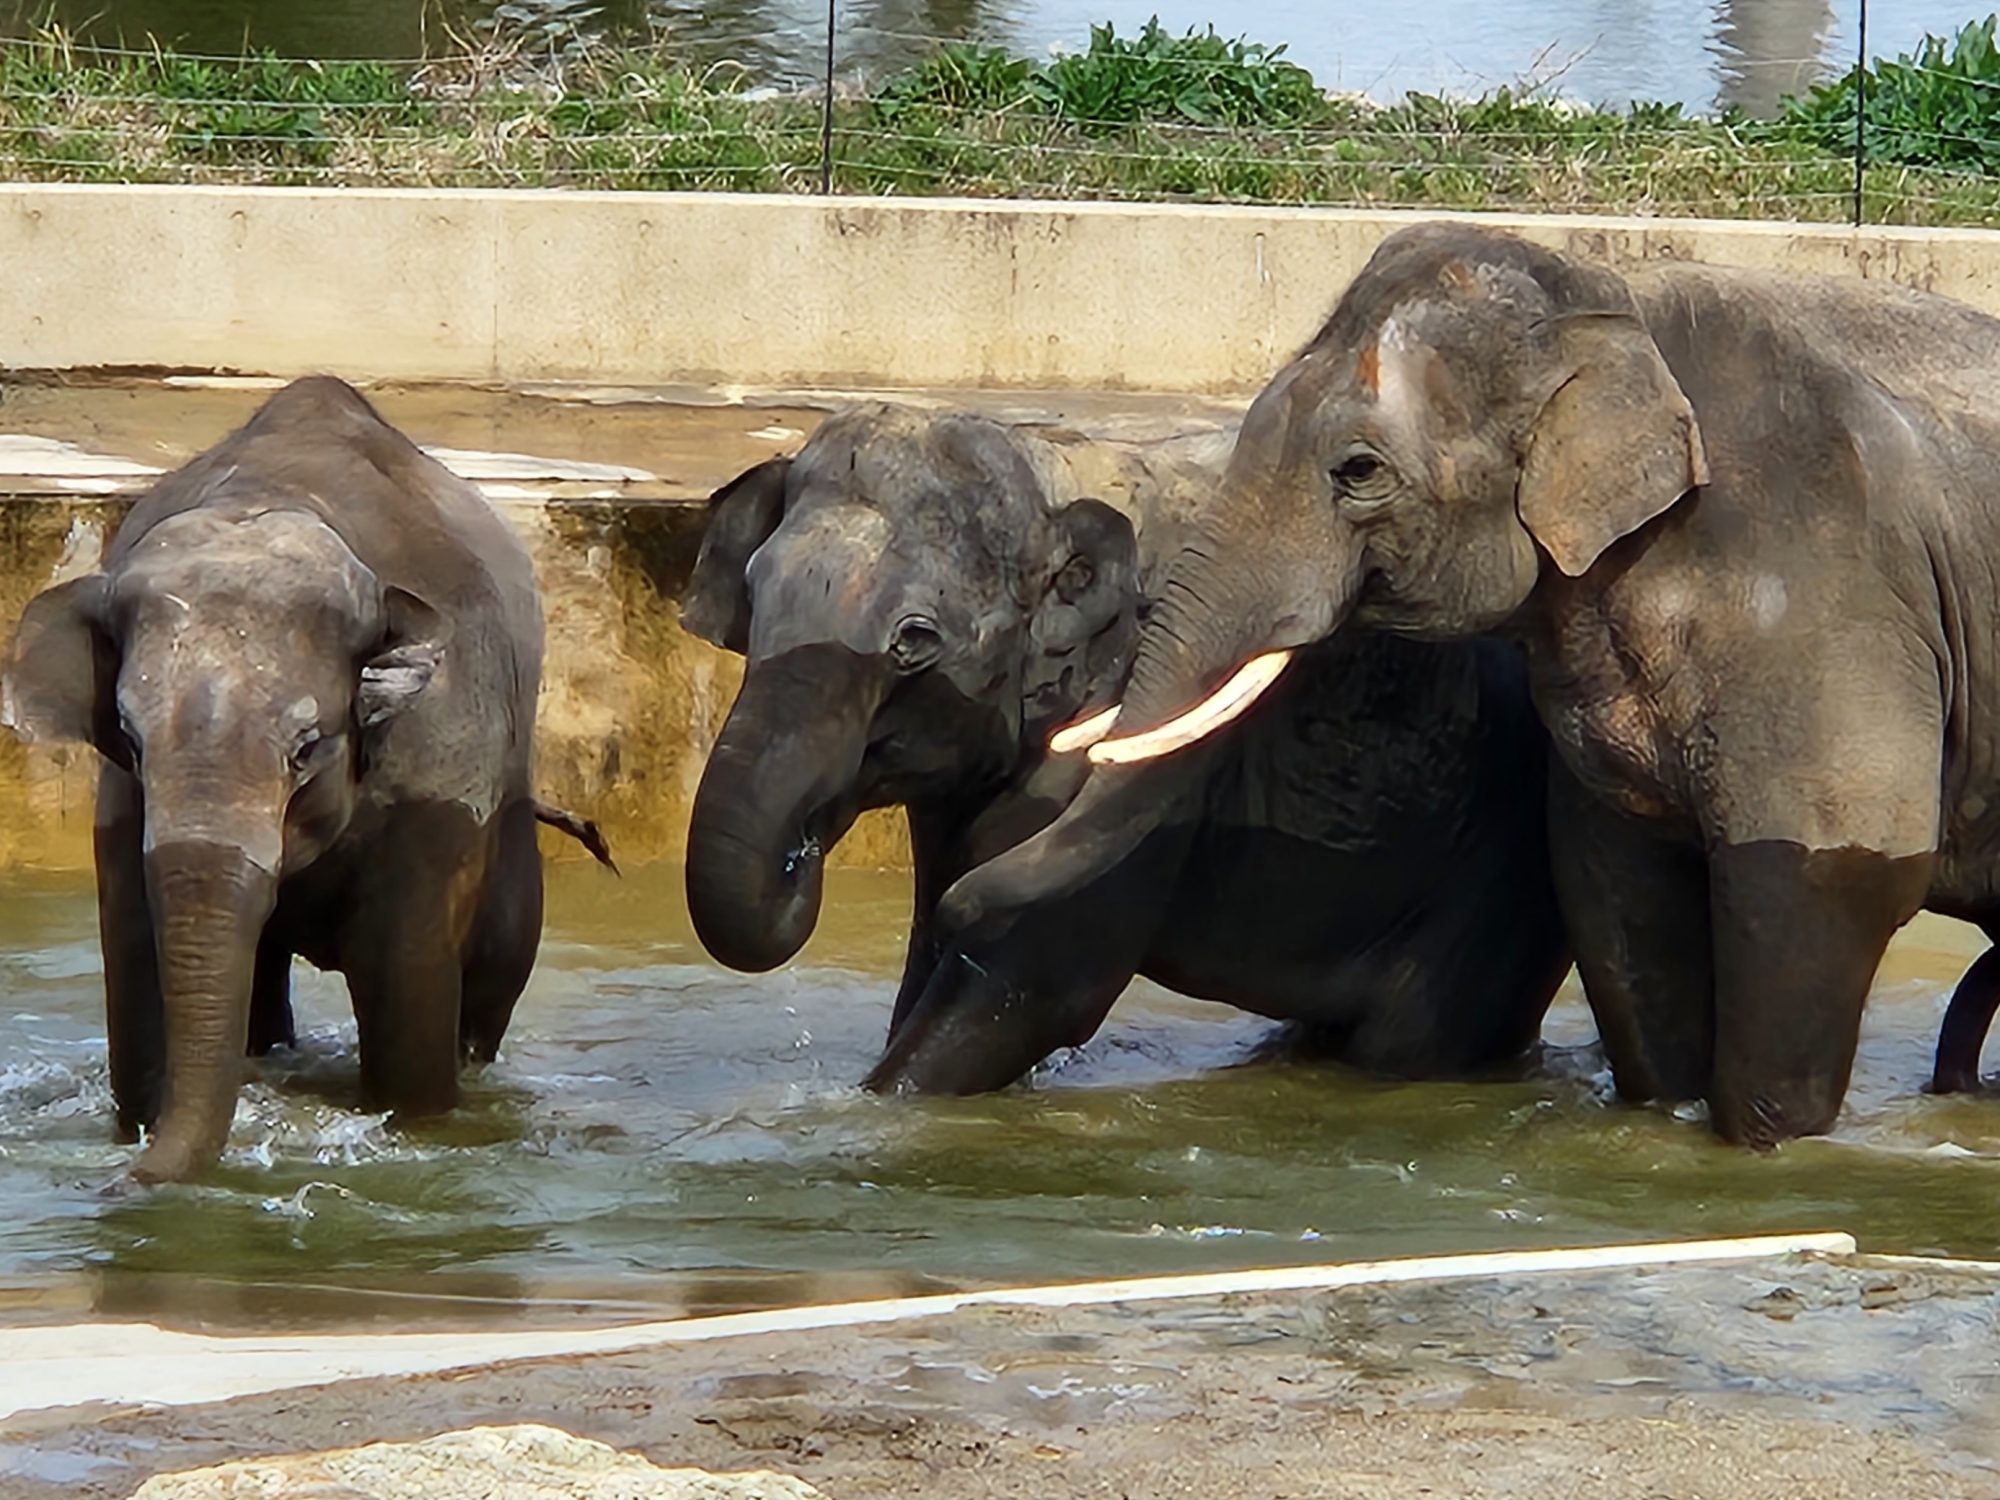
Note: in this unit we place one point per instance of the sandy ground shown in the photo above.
(1805, 1380)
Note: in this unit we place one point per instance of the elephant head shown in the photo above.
(1477, 409)
(916, 609)
(235, 660)
(1475, 406)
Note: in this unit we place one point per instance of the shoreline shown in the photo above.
(1688, 1380)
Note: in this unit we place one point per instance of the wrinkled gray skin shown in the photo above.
(923, 598)
(1747, 527)
(310, 665)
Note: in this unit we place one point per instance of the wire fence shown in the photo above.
(1214, 123)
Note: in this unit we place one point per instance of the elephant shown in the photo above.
(308, 664)
(1745, 526)
(924, 597)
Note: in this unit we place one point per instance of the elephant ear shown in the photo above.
(62, 667)
(1081, 634)
(412, 650)
(741, 516)
(1613, 447)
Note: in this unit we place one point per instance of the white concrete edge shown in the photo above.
(141, 1363)
(527, 287)
(29, 456)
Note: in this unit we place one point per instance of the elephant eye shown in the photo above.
(1074, 581)
(306, 748)
(916, 644)
(1363, 476)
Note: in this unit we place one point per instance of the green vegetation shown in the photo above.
(1153, 115)
(1200, 78)
(1937, 107)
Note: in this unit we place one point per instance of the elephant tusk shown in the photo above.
(1084, 732)
(1218, 708)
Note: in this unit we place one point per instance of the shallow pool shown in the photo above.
(654, 1114)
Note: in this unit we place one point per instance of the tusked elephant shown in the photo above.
(924, 597)
(309, 666)
(1746, 526)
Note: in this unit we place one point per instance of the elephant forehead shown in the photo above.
(820, 578)
(275, 532)
(240, 618)
(277, 558)
(827, 549)
(200, 672)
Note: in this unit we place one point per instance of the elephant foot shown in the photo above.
(1764, 1120)
(165, 1161)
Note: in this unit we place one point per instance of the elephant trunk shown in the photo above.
(1203, 626)
(1219, 634)
(209, 903)
(776, 796)
(1194, 629)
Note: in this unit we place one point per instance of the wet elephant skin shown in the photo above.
(1745, 527)
(310, 664)
(923, 598)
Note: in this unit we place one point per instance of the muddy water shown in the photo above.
(653, 1114)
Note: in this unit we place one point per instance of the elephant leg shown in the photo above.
(506, 935)
(271, 1023)
(1637, 908)
(134, 1016)
(944, 844)
(1799, 934)
(933, 868)
(1963, 1036)
(1026, 983)
(402, 950)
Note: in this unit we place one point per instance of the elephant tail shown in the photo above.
(584, 830)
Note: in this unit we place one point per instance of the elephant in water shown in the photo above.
(309, 665)
(1746, 526)
(924, 598)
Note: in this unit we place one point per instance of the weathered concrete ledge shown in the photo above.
(743, 289)
(128, 1363)
(606, 488)
(629, 704)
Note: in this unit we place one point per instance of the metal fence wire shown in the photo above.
(1213, 124)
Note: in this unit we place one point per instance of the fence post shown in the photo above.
(1860, 109)
(826, 109)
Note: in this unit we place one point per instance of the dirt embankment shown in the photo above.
(1798, 1381)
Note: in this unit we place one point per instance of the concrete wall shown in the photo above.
(735, 289)
(729, 291)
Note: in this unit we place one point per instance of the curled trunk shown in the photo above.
(209, 904)
(776, 796)
(1225, 605)
(1195, 635)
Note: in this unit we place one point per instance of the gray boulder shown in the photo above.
(526, 1462)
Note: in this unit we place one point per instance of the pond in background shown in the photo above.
(1698, 52)
(661, 1129)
